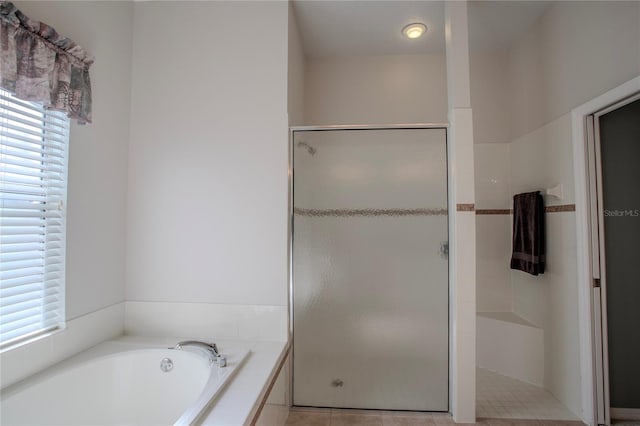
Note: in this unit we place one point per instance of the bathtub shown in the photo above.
(118, 383)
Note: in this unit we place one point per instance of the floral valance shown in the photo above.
(38, 64)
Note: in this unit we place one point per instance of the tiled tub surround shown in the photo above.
(201, 320)
(263, 327)
(79, 334)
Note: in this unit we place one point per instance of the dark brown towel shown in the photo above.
(528, 233)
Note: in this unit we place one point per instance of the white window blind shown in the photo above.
(33, 188)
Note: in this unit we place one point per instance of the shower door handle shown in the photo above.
(444, 249)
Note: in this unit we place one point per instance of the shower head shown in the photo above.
(311, 150)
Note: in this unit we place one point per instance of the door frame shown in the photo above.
(589, 263)
(599, 266)
(290, 231)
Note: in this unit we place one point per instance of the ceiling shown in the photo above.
(373, 27)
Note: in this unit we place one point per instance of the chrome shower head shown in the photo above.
(311, 150)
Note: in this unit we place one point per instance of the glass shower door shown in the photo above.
(370, 269)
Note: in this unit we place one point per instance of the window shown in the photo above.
(33, 191)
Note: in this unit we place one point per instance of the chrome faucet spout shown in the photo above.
(210, 349)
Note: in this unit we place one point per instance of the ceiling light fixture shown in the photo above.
(415, 30)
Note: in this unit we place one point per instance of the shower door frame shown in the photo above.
(290, 232)
(584, 243)
(598, 250)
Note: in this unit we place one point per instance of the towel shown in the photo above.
(528, 233)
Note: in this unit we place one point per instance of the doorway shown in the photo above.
(370, 293)
(614, 152)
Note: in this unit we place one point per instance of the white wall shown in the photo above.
(96, 212)
(462, 224)
(489, 75)
(575, 52)
(295, 75)
(98, 152)
(490, 97)
(493, 231)
(376, 90)
(207, 205)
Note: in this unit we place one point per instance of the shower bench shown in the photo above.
(511, 346)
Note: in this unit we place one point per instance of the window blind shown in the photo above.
(33, 187)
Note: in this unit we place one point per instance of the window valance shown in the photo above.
(38, 64)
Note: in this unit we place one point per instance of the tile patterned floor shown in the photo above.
(502, 401)
(503, 397)
(327, 417)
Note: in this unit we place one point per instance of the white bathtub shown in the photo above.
(119, 383)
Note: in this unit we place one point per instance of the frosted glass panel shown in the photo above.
(370, 269)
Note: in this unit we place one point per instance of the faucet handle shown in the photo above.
(220, 360)
(214, 347)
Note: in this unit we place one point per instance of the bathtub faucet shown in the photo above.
(209, 348)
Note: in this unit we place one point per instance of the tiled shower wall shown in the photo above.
(541, 159)
(535, 161)
(493, 234)
(564, 60)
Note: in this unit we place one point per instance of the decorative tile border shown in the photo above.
(465, 207)
(560, 208)
(493, 211)
(548, 209)
(368, 212)
(416, 212)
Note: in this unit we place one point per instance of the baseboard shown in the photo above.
(625, 413)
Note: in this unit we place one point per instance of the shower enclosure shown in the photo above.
(370, 294)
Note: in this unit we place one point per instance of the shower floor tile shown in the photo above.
(502, 397)
(329, 417)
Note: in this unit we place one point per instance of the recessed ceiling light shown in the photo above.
(415, 30)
